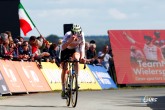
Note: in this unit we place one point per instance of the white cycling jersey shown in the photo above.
(79, 45)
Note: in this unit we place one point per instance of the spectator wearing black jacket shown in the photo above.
(46, 49)
(92, 55)
(54, 54)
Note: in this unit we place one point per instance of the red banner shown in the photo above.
(31, 76)
(138, 55)
(11, 77)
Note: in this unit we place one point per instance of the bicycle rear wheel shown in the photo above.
(74, 92)
(68, 91)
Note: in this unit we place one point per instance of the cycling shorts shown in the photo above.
(67, 53)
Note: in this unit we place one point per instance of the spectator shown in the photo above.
(5, 52)
(9, 36)
(87, 45)
(111, 70)
(41, 42)
(59, 48)
(46, 49)
(25, 54)
(21, 39)
(29, 46)
(37, 55)
(54, 55)
(59, 41)
(105, 57)
(110, 51)
(91, 54)
(14, 49)
(92, 42)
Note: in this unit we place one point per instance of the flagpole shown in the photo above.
(38, 31)
(44, 40)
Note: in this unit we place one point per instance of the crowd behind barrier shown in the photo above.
(40, 50)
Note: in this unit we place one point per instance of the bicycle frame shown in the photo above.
(71, 84)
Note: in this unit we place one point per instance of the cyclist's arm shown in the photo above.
(82, 47)
(82, 54)
(68, 39)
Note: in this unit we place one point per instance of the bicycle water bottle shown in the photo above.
(73, 71)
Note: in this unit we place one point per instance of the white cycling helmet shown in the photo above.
(76, 29)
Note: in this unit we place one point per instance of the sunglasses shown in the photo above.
(77, 33)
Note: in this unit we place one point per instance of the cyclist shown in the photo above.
(73, 45)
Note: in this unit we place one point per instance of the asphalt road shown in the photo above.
(125, 99)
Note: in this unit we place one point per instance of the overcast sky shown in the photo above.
(95, 16)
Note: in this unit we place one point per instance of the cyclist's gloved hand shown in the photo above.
(82, 60)
(73, 38)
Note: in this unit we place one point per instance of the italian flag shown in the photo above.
(26, 24)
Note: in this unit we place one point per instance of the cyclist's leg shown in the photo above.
(63, 67)
(76, 56)
(65, 55)
(63, 80)
(64, 70)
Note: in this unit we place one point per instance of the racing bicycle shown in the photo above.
(71, 84)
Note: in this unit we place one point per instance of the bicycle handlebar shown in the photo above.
(73, 61)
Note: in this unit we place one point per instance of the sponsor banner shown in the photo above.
(102, 77)
(87, 80)
(3, 86)
(11, 76)
(32, 76)
(52, 74)
(139, 55)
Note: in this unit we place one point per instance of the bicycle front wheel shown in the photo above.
(74, 92)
